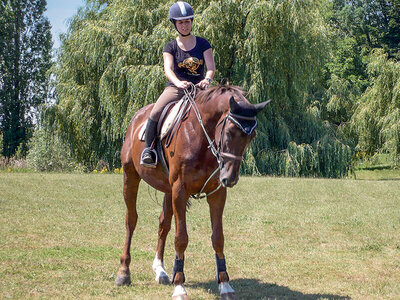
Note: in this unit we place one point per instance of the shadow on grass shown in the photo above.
(255, 289)
(373, 168)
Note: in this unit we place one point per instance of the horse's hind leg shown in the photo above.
(216, 202)
(131, 185)
(164, 228)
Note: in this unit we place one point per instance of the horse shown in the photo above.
(204, 156)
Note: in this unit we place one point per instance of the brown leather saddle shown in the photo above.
(168, 125)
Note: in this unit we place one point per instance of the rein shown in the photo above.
(190, 95)
(217, 152)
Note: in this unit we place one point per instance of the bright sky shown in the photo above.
(58, 12)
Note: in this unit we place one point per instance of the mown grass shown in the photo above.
(376, 173)
(61, 236)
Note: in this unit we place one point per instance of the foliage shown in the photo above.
(12, 164)
(47, 152)
(348, 80)
(25, 57)
(356, 27)
(328, 157)
(375, 24)
(110, 65)
(106, 72)
(376, 121)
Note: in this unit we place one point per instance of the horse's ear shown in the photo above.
(233, 105)
(260, 106)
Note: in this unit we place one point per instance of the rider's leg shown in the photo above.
(148, 156)
(171, 93)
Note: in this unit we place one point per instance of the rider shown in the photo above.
(184, 60)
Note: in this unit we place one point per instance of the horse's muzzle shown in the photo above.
(228, 179)
(229, 184)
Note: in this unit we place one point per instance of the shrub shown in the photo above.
(12, 163)
(47, 152)
(102, 165)
(328, 157)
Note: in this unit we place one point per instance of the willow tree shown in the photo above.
(277, 50)
(110, 65)
(376, 121)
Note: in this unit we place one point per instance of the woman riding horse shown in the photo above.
(203, 156)
(184, 59)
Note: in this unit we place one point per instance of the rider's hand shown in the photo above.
(182, 84)
(205, 83)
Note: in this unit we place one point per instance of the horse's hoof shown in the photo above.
(163, 280)
(181, 297)
(179, 293)
(123, 280)
(228, 296)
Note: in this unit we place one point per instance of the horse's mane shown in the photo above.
(204, 96)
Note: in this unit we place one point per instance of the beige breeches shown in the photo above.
(169, 94)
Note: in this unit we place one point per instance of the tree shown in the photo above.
(376, 121)
(25, 58)
(110, 65)
(374, 24)
(392, 38)
(348, 80)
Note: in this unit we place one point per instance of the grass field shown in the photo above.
(61, 236)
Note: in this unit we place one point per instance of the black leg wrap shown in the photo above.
(178, 267)
(221, 267)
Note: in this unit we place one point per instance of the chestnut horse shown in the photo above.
(204, 155)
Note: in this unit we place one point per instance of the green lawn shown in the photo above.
(61, 236)
(378, 174)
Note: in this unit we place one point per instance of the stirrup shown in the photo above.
(148, 164)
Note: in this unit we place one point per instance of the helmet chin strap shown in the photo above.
(184, 35)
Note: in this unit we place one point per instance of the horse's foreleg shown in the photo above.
(131, 185)
(216, 202)
(179, 200)
(163, 229)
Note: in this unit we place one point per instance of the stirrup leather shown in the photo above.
(154, 153)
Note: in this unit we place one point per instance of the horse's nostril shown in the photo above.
(224, 182)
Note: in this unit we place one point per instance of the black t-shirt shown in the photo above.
(188, 65)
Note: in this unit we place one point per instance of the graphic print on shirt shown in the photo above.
(192, 64)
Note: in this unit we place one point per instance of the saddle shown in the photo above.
(168, 124)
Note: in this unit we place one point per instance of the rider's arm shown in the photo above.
(169, 72)
(210, 65)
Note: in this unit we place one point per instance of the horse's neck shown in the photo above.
(212, 110)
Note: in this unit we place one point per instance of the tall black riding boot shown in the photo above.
(149, 155)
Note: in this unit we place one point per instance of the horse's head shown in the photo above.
(237, 131)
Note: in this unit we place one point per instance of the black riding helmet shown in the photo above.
(180, 11)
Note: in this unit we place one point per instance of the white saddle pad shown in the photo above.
(169, 120)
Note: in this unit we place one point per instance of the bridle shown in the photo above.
(234, 118)
(217, 151)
